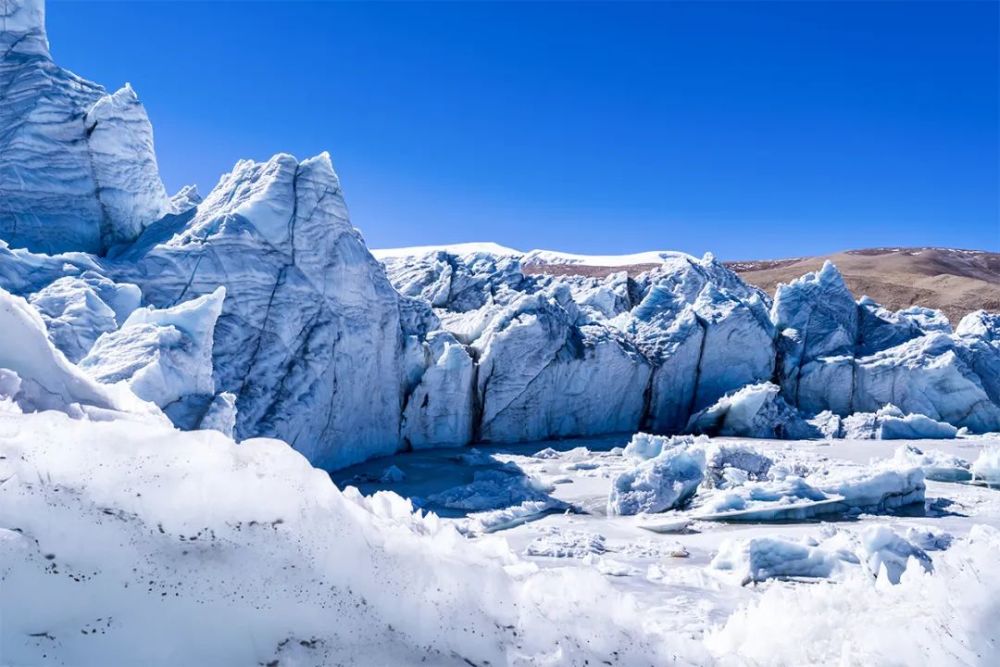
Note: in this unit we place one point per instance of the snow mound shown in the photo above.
(135, 528)
(487, 248)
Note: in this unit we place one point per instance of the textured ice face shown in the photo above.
(45, 379)
(544, 373)
(309, 339)
(77, 167)
(165, 355)
(78, 309)
(22, 26)
(755, 411)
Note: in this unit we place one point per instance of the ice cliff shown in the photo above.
(77, 167)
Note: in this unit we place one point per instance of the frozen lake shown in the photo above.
(549, 502)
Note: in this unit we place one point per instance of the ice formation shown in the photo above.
(309, 339)
(937, 466)
(77, 167)
(878, 549)
(755, 411)
(662, 483)
(165, 355)
(259, 311)
(951, 628)
(890, 423)
(986, 468)
(41, 378)
(348, 357)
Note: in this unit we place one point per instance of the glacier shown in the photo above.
(349, 355)
(77, 165)
(183, 378)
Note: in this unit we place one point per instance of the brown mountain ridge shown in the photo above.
(949, 279)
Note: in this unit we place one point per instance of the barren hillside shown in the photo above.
(956, 281)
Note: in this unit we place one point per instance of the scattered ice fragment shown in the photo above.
(928, 538)
(733, 465)
(937, 466)
(760, 558)
(648, 446)
(658, 484)
(883, 550)
(986, 467)
(755, 411)
(221, 414)
(392, 475)
(559, 543)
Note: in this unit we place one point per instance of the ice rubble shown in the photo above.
(890, 423)
(723, 482)
(41, 378)
(986, 468)
(662, 483)
(755, 411)
(877, 549)
(937, 466)
(826, 493)
(555, 543)
(165, 355)
(955, 624)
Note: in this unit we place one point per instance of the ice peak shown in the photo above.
(830, 273)
(22, 27)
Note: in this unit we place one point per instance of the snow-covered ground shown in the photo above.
(747, 592)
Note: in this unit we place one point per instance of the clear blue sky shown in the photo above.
(749, 129)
